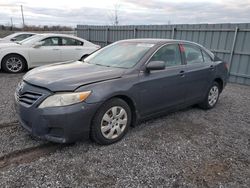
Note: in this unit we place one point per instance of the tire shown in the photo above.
(108, 128)
(212, 97)
(13, 63)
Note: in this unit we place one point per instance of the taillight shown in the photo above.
(226, 65)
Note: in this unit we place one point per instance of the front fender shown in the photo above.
(102, 91)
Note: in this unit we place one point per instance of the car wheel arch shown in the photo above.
(220, 82)
(131, 103)
(25, 60)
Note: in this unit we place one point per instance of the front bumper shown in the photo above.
(57, 124)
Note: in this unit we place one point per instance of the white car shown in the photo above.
(43, 49)
(16, 37)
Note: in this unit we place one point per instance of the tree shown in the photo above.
(114, 15)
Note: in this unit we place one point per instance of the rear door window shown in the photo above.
(51, 41)
(71, 42)
(170, 54)
(193, 54)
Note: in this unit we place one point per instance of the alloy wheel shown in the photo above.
(213, 95)
(14, 64)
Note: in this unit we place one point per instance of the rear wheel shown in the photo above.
(212, 97)
(13, 63)
(111, 122)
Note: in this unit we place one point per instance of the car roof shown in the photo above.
(159, 41)
(56, 34)
(60, 35)
(24, 33)
(156, 41)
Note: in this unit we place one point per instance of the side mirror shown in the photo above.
(156, 65)
(13, 39)
(38, 44)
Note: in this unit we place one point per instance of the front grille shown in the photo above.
(28, 98)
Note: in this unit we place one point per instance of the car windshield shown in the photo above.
(30, 40)
(121, 55)
(10, 36)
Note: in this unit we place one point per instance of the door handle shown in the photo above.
(182, 73)
(78, 48)
(211, 67)
(55, 49)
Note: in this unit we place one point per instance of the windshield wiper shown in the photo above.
(96, 64)
(101, 65)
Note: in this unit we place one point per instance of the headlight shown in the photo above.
(64, 99)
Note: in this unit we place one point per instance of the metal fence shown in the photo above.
(230, 42)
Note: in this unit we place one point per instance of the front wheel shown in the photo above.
(212, 97)
(111, 122)
(13, 63)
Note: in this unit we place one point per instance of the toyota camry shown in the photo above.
(117, 87)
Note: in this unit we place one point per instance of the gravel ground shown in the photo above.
(188, 148)
(16, 138)
(8, 83)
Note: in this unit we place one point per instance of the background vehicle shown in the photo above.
(116, 87)
(16, 37)
(43, 49)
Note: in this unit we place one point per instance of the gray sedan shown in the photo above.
(116, 87)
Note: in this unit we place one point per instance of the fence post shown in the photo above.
(135, 29)
(232, 49)
(107, 36)
(89, 34)
(173, 32)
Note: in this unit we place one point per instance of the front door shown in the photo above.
(166, 88)
(72, 49)
(48, 53)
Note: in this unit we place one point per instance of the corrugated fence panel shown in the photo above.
(230, 42)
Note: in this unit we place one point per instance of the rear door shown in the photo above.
(161, 89)
(199, 70)
(48, 53)
(72, 49)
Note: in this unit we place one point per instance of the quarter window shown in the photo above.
(51, 41)
(170, 54)
(206, 57)
(193, 55)
(71, 42)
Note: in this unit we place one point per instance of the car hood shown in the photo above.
(70, 75)
(4, 44)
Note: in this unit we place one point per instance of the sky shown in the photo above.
(130, 12)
